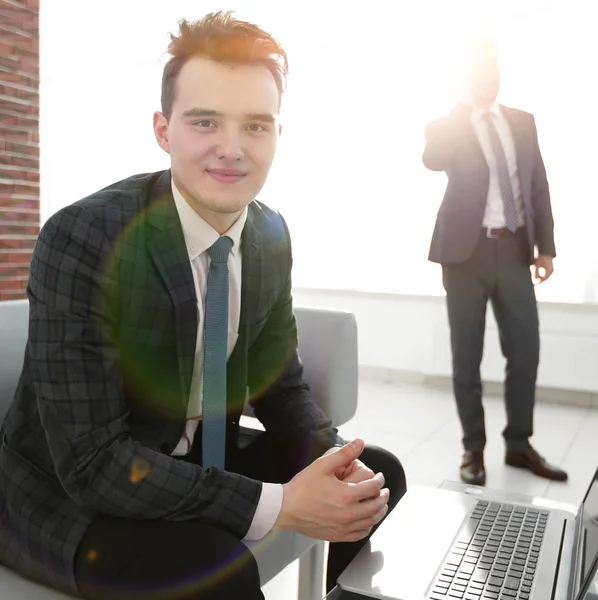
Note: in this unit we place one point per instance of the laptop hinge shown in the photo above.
(576, 563)
(558, 562)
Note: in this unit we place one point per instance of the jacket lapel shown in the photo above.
(166, 246)
(251, 285)
(469, 135)
(524, 153)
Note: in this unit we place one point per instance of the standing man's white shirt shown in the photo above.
(199, 236)
(494, 216)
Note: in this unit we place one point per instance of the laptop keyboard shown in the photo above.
(495, 555)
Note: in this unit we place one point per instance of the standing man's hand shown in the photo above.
(543, 268)
(318, 504)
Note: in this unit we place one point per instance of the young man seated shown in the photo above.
(158, 306)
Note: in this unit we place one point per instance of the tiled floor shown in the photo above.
(421, 427)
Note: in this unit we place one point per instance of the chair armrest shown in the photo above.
(14, 327)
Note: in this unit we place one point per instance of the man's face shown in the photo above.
(222, 133)
(483, 78)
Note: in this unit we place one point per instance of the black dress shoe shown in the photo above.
(533, 462)
(473, 471)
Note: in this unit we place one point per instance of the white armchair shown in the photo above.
(328, 349)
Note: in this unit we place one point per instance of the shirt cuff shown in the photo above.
(266, 513)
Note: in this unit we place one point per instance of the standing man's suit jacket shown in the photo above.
(102, 399)
(452, 146)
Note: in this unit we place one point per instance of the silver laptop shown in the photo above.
(469, 543)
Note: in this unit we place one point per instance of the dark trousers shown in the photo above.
(498, 270)
(121, 559)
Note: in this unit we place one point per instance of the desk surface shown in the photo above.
(338, 594)
(498, 496)
(592, 593)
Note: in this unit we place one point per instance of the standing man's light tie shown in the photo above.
(215, 349)
(504, 179)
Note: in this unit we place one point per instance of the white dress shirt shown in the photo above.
(199, 236)
(494, 217)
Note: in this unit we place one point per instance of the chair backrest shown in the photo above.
(14, 325)
(327, 347)
(328, 351)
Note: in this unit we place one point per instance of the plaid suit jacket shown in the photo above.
(101, 401)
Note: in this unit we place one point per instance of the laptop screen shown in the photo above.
(589, 532)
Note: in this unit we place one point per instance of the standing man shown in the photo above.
(158, 306)
(494, 221)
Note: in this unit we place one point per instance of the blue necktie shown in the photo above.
(215, 350)
(504, 179)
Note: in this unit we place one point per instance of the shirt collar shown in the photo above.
(200, 235)
(494, 109)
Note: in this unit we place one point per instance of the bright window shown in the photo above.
(366, 78)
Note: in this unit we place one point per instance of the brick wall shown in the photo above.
(19, 142)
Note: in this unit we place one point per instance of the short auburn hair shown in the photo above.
(222, 38)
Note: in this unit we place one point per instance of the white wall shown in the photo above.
(411, 334)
